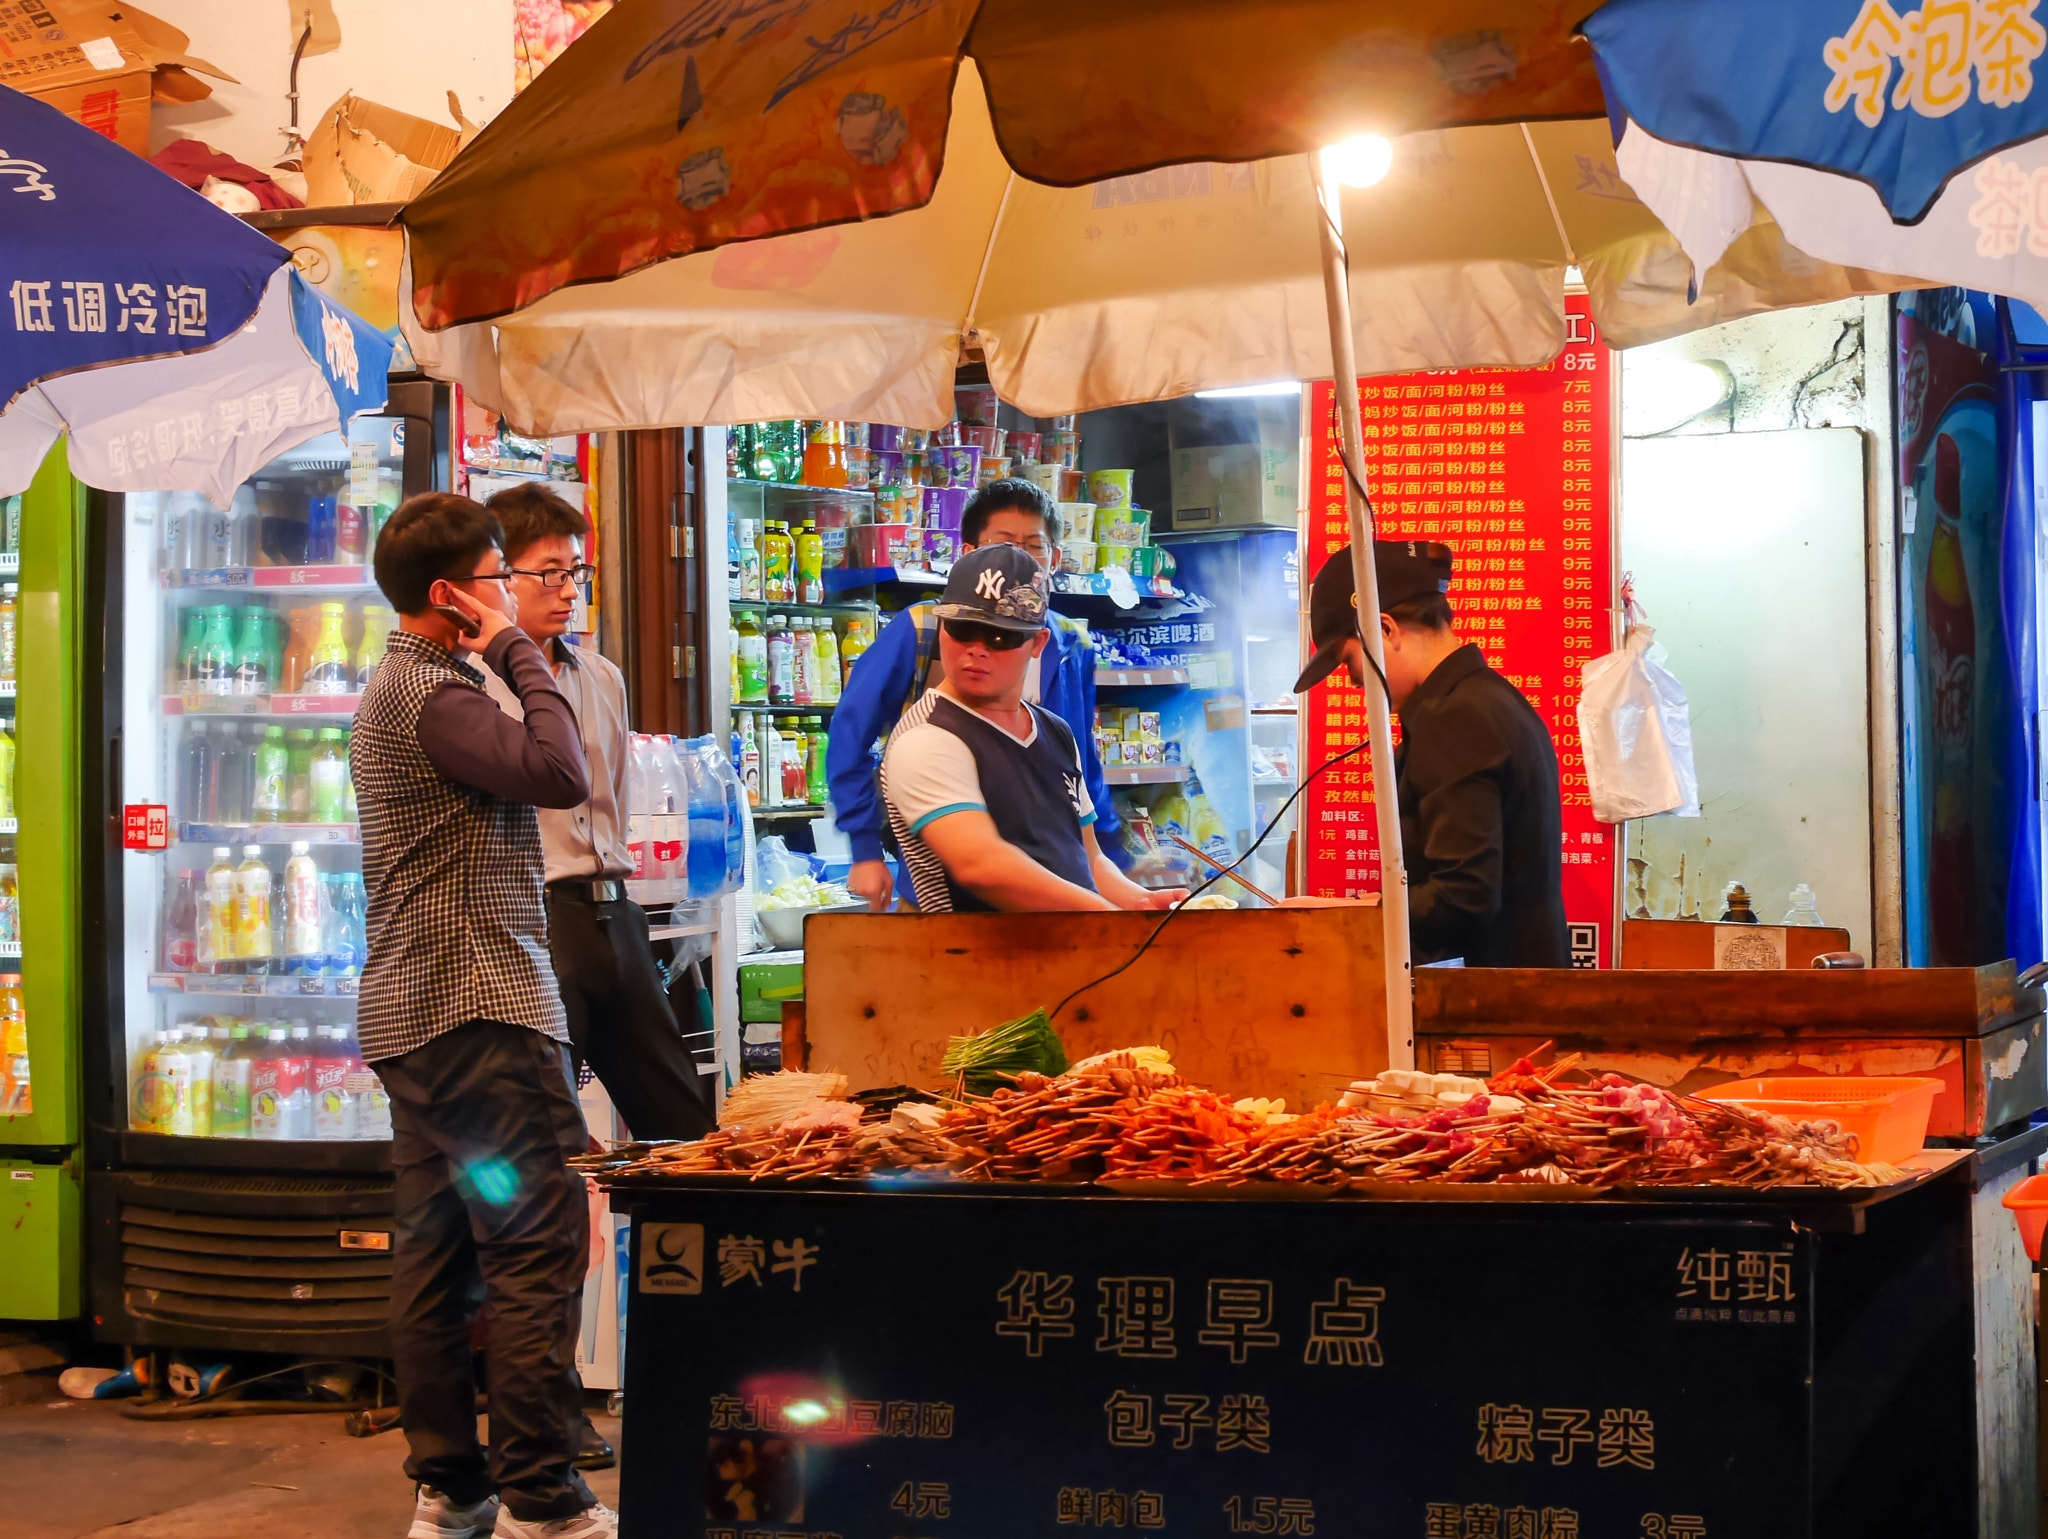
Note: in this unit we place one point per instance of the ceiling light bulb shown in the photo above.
(1359, 161)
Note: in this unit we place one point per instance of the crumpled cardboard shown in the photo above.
(363, 152)
(101, 63)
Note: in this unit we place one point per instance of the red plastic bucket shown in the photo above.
(2029, 1204)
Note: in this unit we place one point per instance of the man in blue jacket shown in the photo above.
(903, 664)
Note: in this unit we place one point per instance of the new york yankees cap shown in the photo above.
(1407, 569)
(997, 585)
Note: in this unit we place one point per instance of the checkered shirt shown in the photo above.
(457, 924)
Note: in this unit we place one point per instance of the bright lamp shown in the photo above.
(1359, 161)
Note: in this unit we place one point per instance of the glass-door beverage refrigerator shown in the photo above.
(240, 1195)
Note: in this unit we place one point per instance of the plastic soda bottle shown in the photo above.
(751, 658)
(329, 772)
(16, 1098)
(815, 742)
(186, 1064)
(826, 678)
(302, 626)
(378, 623)
(639, 802)
(298, 799)
(254, 938)
(181, 924)
(219, 927)
(6, 773)
(267, 1069)
(778, 560)
(373, 1106)
(810, 564)
(334, 1108)
(254, 671)
(859, 637)
(346, 946)
(270, 795)
(305, 911)
(190, 648)
(328, 671)
(295, 1104)
(231, 1065)
(217, 655)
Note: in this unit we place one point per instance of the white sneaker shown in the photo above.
(596, 1521)
(439, 1517)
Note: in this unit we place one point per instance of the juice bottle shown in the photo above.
(859, 637)
(6, 773)
(824, 455)
(231, 1065)
(303, 625)
(10, 630)
(145, 1085)
(270, 793)
(810, 564)
(10, 905)
(781, 661)
(295, 1101)
(803, 657)
(827, 677)
(351, 530)
(751, 653)
(217, 656)
(254, 673)
(373, 1106)
(299, 775)
(329, 772)
(218, 944)
(795, 775)
(181, 924)
(333, 1108)
(378, 623)
(815, 743)
(267, 1083)
(327, 664)
(749, 558)
(176, 1061)
(778, 558)
(772, 750)
(305, 917)
(16, 1099)
(348, 940)
(255, 940)
(750, 759)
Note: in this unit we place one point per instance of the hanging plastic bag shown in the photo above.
(1636, 732)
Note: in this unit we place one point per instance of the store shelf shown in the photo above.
(839, 579)
(1143, 774)
(789, 710)
(802, 488)
(778, 606)
(268, 833)
(665, 932)
(763, 814)
(1096, 585)
(1138, 678)
(258, 986)
(1274, 710)
(303, 579)
(340, 707)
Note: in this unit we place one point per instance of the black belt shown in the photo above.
(589, 889)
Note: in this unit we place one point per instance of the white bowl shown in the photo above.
(784, 927)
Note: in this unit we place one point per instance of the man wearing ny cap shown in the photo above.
(986, 792)
(1481, 820)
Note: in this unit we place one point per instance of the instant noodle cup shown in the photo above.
(976, 404)
(886, 466)
(994, 467)
(1077, 557)
(944, 506)
(882, 436)
(1073, 486)
(1123, 526)
(898, 504)
(1110, 557)
(941, 545)
(1025, 447)
(859, 465)
(1069, 423)
(945, 437)
(1047, 477)
(987, 439)
(1110, 488)
(1077, 520)
(912, 440)
(963, 465)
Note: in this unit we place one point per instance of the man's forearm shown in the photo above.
(1112, 884)
(1011, 880)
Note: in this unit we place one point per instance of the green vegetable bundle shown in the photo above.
(993, 1058)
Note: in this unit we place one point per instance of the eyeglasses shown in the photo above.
(1036, 546)
(504, 576)
(969, 634)
(555, 576)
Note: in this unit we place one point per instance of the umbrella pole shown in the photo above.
(1379, 709)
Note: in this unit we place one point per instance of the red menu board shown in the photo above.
(1511, 468)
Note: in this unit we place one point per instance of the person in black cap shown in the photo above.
(1481, 820)
(986, 791)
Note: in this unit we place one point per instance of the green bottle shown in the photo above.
(194, 645)
(217, 652)
(816, 740)
(299, 776)
(254, 673)
(270, 799)
(330, 778)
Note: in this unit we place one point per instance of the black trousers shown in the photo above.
(483, 1120)
(619, 1016)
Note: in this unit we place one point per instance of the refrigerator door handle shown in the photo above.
(114, 784)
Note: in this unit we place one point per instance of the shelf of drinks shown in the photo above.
(761, 814)
(298, 579)
(265, 986)
(305, 707)
(781, 606)
(1138, 678)
(268, 833)
(1143, 774)
(784, 709)
(839, 579)
(801, 487)
(1097, 585)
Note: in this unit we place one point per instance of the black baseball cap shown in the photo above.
(1002, 586)
(1406, 569)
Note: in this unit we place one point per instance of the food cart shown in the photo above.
(911, 1353)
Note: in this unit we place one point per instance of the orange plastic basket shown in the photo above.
(2029, 1204)
(1888, 1115)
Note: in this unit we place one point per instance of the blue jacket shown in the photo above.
(891, 675)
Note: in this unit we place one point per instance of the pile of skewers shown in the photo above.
(1128, 1116)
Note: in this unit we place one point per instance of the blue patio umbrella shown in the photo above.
(173, 343)
(1907, 141)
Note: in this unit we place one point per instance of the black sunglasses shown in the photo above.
(969, 634)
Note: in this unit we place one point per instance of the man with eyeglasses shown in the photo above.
(904, 664)
(986, 792)
(620, 1019)
(459, 1013)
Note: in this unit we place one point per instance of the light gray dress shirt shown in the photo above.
(587, 840)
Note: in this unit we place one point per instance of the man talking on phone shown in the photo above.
(460, 1016)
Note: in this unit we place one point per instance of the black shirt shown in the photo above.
(1482, 827)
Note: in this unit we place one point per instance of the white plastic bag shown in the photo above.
(1636, 734)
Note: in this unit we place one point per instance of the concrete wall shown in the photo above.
(401, 53)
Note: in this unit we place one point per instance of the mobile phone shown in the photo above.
(467, 624)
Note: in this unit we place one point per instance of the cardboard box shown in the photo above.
(1248, 479)
(100, 64)
(362, 152)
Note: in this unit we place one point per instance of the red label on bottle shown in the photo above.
(182, 955)
(145, 826)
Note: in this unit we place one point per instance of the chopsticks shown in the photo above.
(1217, 865)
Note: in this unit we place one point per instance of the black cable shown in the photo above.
(1173, 913)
